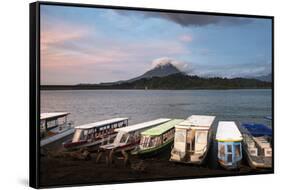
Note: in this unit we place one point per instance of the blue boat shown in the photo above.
(257, 144)
(229, 141)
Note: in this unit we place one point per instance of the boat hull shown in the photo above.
(200, 162)
(153, 151)
(56, 141)
(254, 163)
(233, 166)
(91, 146)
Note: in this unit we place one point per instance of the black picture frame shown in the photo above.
(34, 88)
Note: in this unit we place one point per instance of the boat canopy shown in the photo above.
(228, 131)
(142, 125)
(52, 115)
(198, 121)
(257, 129)
(160, 129)
(101, 123)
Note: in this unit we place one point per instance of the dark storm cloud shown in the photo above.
(190, 19)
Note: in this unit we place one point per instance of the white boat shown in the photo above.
(54, 127)
(229, 141)
(94, 134)
(192, 139)
(127, 139)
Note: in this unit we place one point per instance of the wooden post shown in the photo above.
(110, 157)
(99, 156)
(126, 157)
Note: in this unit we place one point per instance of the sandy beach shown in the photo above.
(56, 170)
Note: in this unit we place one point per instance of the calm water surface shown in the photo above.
(88, 106)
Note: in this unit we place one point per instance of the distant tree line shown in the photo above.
(171, 82)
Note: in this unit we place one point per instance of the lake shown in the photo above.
(88, 106)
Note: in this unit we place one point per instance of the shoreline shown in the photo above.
(67, 171)
(121, 89)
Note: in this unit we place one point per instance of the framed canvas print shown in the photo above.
(120, 94)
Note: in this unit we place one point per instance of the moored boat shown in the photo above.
(257, 145)
(156, 139)
(192, 139)
(127, 139)
(94, 134)
(54, 128)
(229, 141)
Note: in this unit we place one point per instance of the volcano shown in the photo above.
(160, 70)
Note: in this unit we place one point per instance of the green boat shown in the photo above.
(156, 139)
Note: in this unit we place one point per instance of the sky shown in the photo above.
(90, 45)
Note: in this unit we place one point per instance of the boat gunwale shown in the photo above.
(53, 115)
(102, 123)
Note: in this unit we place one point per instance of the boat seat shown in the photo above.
(253, 151)
(262, 142)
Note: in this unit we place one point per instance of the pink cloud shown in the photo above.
(95, 64)
(186, 38)
(75, 52)
(60, 33)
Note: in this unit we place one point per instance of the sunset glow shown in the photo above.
(88, 45)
